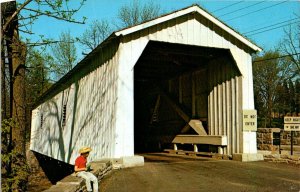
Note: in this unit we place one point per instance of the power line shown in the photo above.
(250, 27)
(273, 28)
(227, 6)
(271, 25)
(275, 57)
(256, 11)
(242, 8)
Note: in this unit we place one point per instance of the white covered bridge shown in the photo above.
(184, 77)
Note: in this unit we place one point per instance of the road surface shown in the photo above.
(169, 173)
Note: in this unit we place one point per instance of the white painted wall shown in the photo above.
(91, 116)
(129, 55)
(249, 142)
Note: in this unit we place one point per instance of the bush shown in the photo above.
(15, 170)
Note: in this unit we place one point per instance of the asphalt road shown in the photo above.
(168, 173)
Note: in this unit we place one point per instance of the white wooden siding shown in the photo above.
(91, 116)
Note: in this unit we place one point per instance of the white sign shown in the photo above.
(292, 120)
(249, 120)
(291, 123)
(292, 127)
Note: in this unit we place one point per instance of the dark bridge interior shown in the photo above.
(169, 69)
(162, 61)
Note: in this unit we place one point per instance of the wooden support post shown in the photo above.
(195, 148)
(175, 146)
(220, 150)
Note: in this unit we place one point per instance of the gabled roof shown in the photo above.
(115, 36)
(185, 11)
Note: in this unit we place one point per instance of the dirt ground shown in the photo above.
(38, 182)
(163, 172)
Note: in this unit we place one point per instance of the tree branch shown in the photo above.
(40, 13)
(46, 43)
(14, 15)
(28, 32)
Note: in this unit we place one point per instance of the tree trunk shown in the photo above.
(3, 90)
(18, 96)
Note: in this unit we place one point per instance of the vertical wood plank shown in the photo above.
(216, 118)
(220, 116)
(233, 98)
(239, 115)
(190, 29)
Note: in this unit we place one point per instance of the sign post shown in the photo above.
(292, 124)
(249, 120)
(292, 142)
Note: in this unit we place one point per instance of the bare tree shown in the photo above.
(135, 13)
(64, 54)
(290, 45)
(266, 79)
(128, 15)
(97, 32)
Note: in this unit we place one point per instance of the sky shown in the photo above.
(262, 22)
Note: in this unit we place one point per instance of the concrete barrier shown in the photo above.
(245, 157)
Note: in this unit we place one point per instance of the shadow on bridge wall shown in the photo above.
(54, 170)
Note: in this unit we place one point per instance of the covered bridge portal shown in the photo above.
(172, 86)
(184, 77)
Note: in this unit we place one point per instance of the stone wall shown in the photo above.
(265, 138)
(286, 138)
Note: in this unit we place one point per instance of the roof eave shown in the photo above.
(182, 12)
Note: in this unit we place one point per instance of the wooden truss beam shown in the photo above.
(194, 123)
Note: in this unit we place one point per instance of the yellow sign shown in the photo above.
(249, 120)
